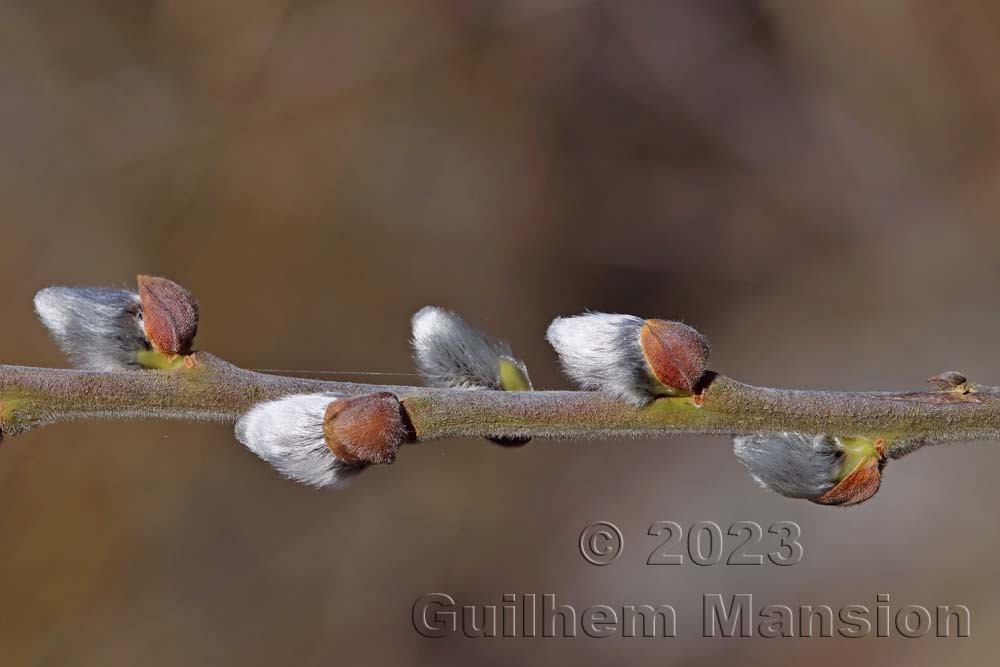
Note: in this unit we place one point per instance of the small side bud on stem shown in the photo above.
(952, 381)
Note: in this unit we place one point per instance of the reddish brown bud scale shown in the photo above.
(170, 315)
(367, 429)
(861, 484)
(677, 354)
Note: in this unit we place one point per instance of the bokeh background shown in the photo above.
(812, 184)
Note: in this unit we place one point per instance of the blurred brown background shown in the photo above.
(813, 185)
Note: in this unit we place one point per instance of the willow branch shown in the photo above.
(641, 377)
(208, 388)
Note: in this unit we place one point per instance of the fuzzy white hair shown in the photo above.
(451, 354)
(288, 434)
(603, 352)
(792, 464)
(98, 328)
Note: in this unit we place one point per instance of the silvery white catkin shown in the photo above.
(602, 352)
(792, 464)
(288, 434)
(451, 354)
(98, 328)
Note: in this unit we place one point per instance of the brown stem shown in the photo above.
(208, 388)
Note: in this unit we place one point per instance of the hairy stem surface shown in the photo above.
(207, 388)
